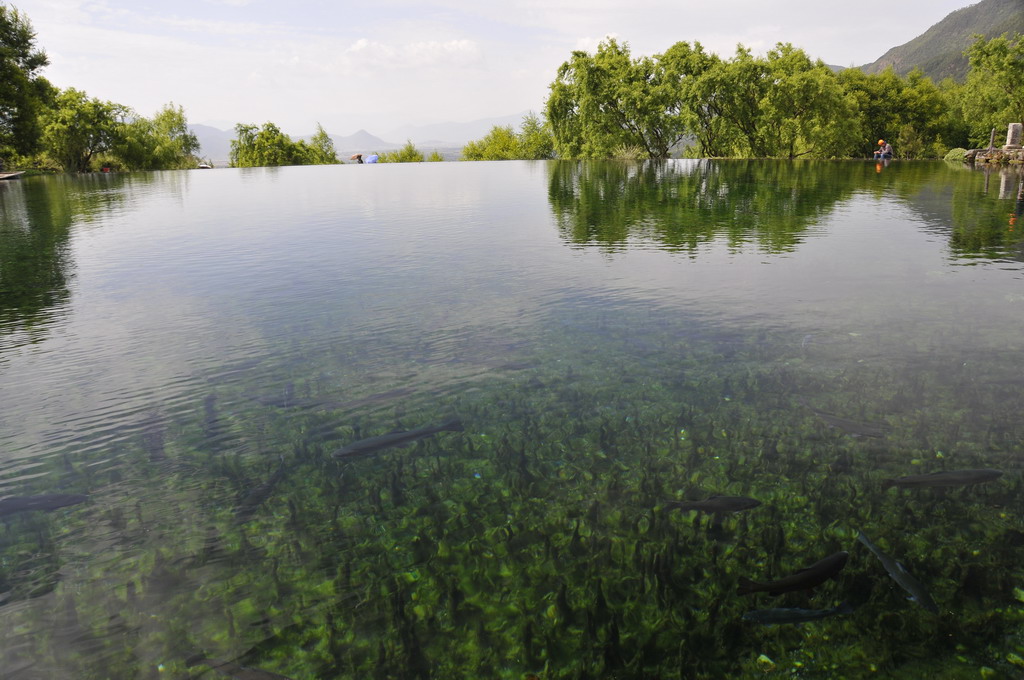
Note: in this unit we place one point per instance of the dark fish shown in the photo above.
(378, 398)
(716, 504)
(516, 365)
(856, 428)
(256, 497)
(233, 670)
(153, 432)
(900, 574)
(805, 579)
(946, 478)
(365, 447)
(49, 501)
(794, 614)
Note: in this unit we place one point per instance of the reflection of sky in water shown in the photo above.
(415, 268)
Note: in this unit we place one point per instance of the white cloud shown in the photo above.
(420, 54)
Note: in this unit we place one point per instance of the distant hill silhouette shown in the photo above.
(359, 142)
(446, 138)
(215, 144)
(454, 134)
(938, 52)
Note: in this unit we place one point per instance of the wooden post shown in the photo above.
(992, 140)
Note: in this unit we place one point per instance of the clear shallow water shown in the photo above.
(188, 348)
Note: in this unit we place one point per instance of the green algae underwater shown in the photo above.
(613, 338)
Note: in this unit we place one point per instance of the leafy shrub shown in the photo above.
(407, 154)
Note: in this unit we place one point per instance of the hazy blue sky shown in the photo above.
(380, 64)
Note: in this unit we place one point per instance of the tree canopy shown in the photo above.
(163, 142)
(407, 154)
(23, 92)
(604, 101)
(994, 93)
(782, 104)
(503, 143)
(79, 127)
(268, 146)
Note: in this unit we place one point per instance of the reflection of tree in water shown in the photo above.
(36, 216)
(681, 205)
(989, 224)
(684, 204)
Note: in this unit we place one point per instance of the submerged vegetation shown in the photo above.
(543, 539)
(616, 475)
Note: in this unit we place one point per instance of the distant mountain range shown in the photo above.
(939, 51)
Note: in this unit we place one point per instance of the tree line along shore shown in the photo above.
(684, 102)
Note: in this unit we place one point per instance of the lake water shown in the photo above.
(187, 349)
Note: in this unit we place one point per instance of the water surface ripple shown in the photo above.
(603, 344)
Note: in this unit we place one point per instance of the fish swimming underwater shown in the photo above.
(794, 614)
(251, 502)
(945, 478)
(900, 574)
(364, 447)
(716, 504)
(233, 670)
(855, 428)
(805, 579)
(49, 501)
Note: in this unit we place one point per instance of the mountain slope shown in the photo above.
(938, 52)
(214, 144)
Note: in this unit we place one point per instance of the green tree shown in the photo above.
(321, 149)
(784, 105)
(78, 128)
(913, 106)
(435, 157)
(607, 100)
(535, 140)
(503, 143)
(500, 144)
(878, 99)
(696, 79)
(163, 142)
(994, 93)
(407, 154)
(805, 110)
(177, 145)
(909, 143)
(264, 146)
(23, 92)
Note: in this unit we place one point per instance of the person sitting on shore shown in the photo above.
(884, 150)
